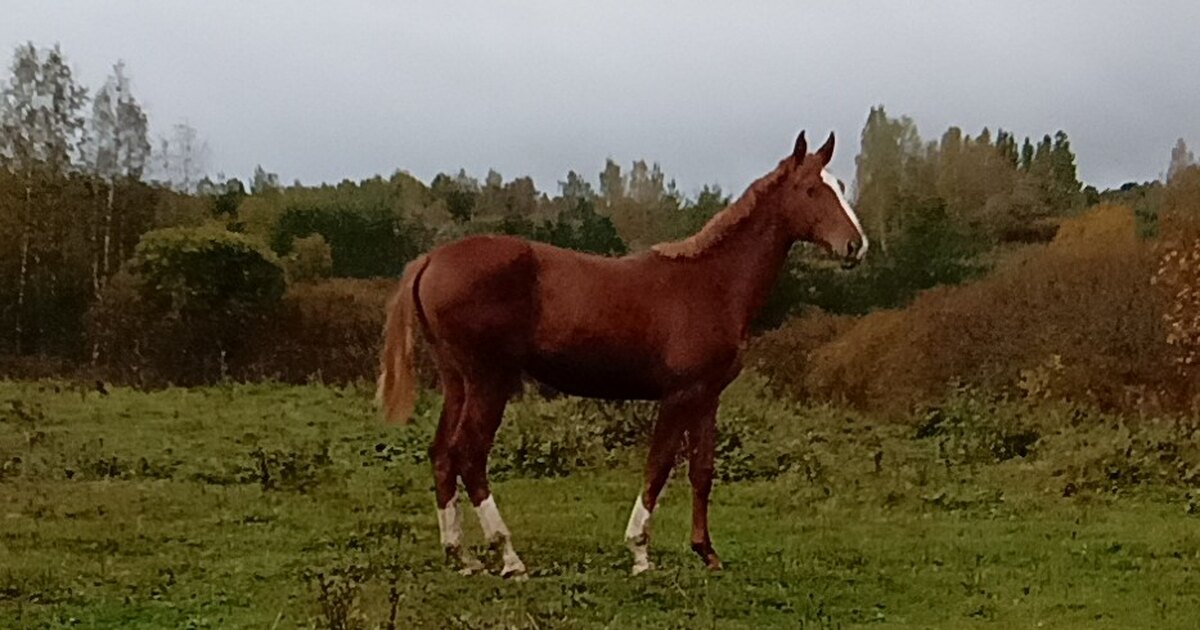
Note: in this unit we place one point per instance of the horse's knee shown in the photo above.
(701, 475)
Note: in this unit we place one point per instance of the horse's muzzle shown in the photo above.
(855, 252)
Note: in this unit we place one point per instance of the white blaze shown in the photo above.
(832, 182)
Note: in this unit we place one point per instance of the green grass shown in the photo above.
(229, 507)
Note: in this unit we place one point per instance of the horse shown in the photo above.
(669, 324)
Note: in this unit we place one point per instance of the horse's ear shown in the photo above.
(801, 149)
(826, 150)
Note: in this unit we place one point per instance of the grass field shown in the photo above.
(281, 507)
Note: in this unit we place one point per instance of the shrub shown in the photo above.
(328, 331)
(782, 355)
(193, 270)
(1085, 298)
(1117, 454)
(184, 305)
(970, 427)
(311, 259)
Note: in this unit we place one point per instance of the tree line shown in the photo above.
(90, 206)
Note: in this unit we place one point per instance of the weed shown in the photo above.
(279, 469)
(972, 428)
(338, 592)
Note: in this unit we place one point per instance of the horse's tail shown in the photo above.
(397, 392)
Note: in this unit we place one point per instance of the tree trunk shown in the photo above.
(94, 252)
(24, 274)
(108, 216)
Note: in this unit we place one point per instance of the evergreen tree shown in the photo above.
(1065, 185)
(459, 193)
(1026, 154)
(576, 187)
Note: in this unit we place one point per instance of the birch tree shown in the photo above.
(182, 159)
(41, 139)
(119, 152)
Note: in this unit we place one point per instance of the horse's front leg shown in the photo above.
(700, 472)
(675, 416)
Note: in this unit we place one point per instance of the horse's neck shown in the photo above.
(746, 263)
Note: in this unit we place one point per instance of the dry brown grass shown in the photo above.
(1076, 318)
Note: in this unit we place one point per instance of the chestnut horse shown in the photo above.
(668, 324)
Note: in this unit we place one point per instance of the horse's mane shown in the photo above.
(722, 222)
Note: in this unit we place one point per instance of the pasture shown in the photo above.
(271, 506)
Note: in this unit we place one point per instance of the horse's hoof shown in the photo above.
(641, 568)
(709, 557)
(471, 567)
(463, 561)
(515, 572)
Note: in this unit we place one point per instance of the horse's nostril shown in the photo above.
(851, 247)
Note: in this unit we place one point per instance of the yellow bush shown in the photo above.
(1076, 318)
(782, 355)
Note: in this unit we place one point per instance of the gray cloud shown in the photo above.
(715, 92)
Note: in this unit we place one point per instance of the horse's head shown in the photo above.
(815, 205)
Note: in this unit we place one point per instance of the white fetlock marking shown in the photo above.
(450, 527)
(489, 519)
(449, 523)
(495, 532)
(637, 536)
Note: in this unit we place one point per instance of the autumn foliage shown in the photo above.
(1178, 275)
(1077, 318)
(327, 331)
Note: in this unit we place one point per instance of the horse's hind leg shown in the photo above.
(486, 399)
(446, 471)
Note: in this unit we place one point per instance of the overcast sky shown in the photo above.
(714, 91)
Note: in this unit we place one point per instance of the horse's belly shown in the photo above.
(596, 374)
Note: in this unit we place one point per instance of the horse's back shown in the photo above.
(479, 293)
